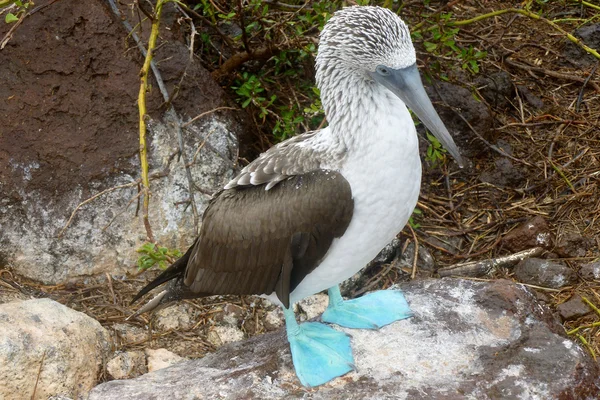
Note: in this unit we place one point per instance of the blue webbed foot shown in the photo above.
(319, 352)
(371, 311)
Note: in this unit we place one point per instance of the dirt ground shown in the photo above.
(541, 157)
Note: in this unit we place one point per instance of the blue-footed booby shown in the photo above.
(313, 210)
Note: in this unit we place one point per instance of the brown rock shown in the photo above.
(545, 273)
(230, 314)
(533, 233)
(573, 308)
(574, 245)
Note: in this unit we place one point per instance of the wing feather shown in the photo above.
(248, 234)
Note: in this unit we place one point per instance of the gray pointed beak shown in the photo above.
(406, 84)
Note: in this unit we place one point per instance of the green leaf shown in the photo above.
(10, 17)
(430, 47)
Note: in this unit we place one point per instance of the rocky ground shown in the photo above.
(524, 211)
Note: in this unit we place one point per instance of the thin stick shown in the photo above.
(585, 3)
(529, 14)
(206, 113)
(142, 113)
(580, 97)
(37, 379)
(586, 344)
(416, 256)
(548, 72)
(156, 175)
(591, 305)
(83, 203)
(483, 267)
(110, 287)
(10, 32)
(577, 329)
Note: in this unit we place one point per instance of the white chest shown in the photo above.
(385, 176)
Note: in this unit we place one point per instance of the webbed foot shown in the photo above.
(371, 311)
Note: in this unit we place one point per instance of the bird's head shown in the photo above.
(375, 44)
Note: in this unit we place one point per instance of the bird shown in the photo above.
(313, 210)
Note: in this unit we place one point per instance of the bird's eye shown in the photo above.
(382, 70)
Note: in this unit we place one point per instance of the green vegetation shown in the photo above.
(275, 80)
(21, 8)
(153, 255)
(436, 153)
(411, 220)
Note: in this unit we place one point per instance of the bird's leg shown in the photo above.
(371, 311)
(319, 352)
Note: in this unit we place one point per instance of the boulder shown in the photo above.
(467, 340)
(70, 131)
(41, 340)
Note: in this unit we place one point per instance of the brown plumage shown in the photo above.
(255, 241)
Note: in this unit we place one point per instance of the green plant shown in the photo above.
(435, 151)
(152, 255)
(440, 40)
(22, 7)
(411, 221)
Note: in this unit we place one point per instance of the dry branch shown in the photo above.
(484, 267)
(529, 14)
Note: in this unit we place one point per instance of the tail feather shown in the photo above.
(176, 269)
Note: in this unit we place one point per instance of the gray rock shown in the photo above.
(573, 308)
(545, 273)
(532, 233)
(274, 319)
(178, 316)
(127, 364)
(529, 97)
(129, 334)
(388, 253)
(223, 334)
(78, 96)
(590, 271)
(425, 260)
(470, 340)
(161, 358)
(68, 346)
(313, 306)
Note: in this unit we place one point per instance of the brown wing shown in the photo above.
(255, 241)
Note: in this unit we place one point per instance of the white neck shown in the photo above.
(360, 111)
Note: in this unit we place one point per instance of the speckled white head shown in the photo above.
(363, 37)
(366, 55)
